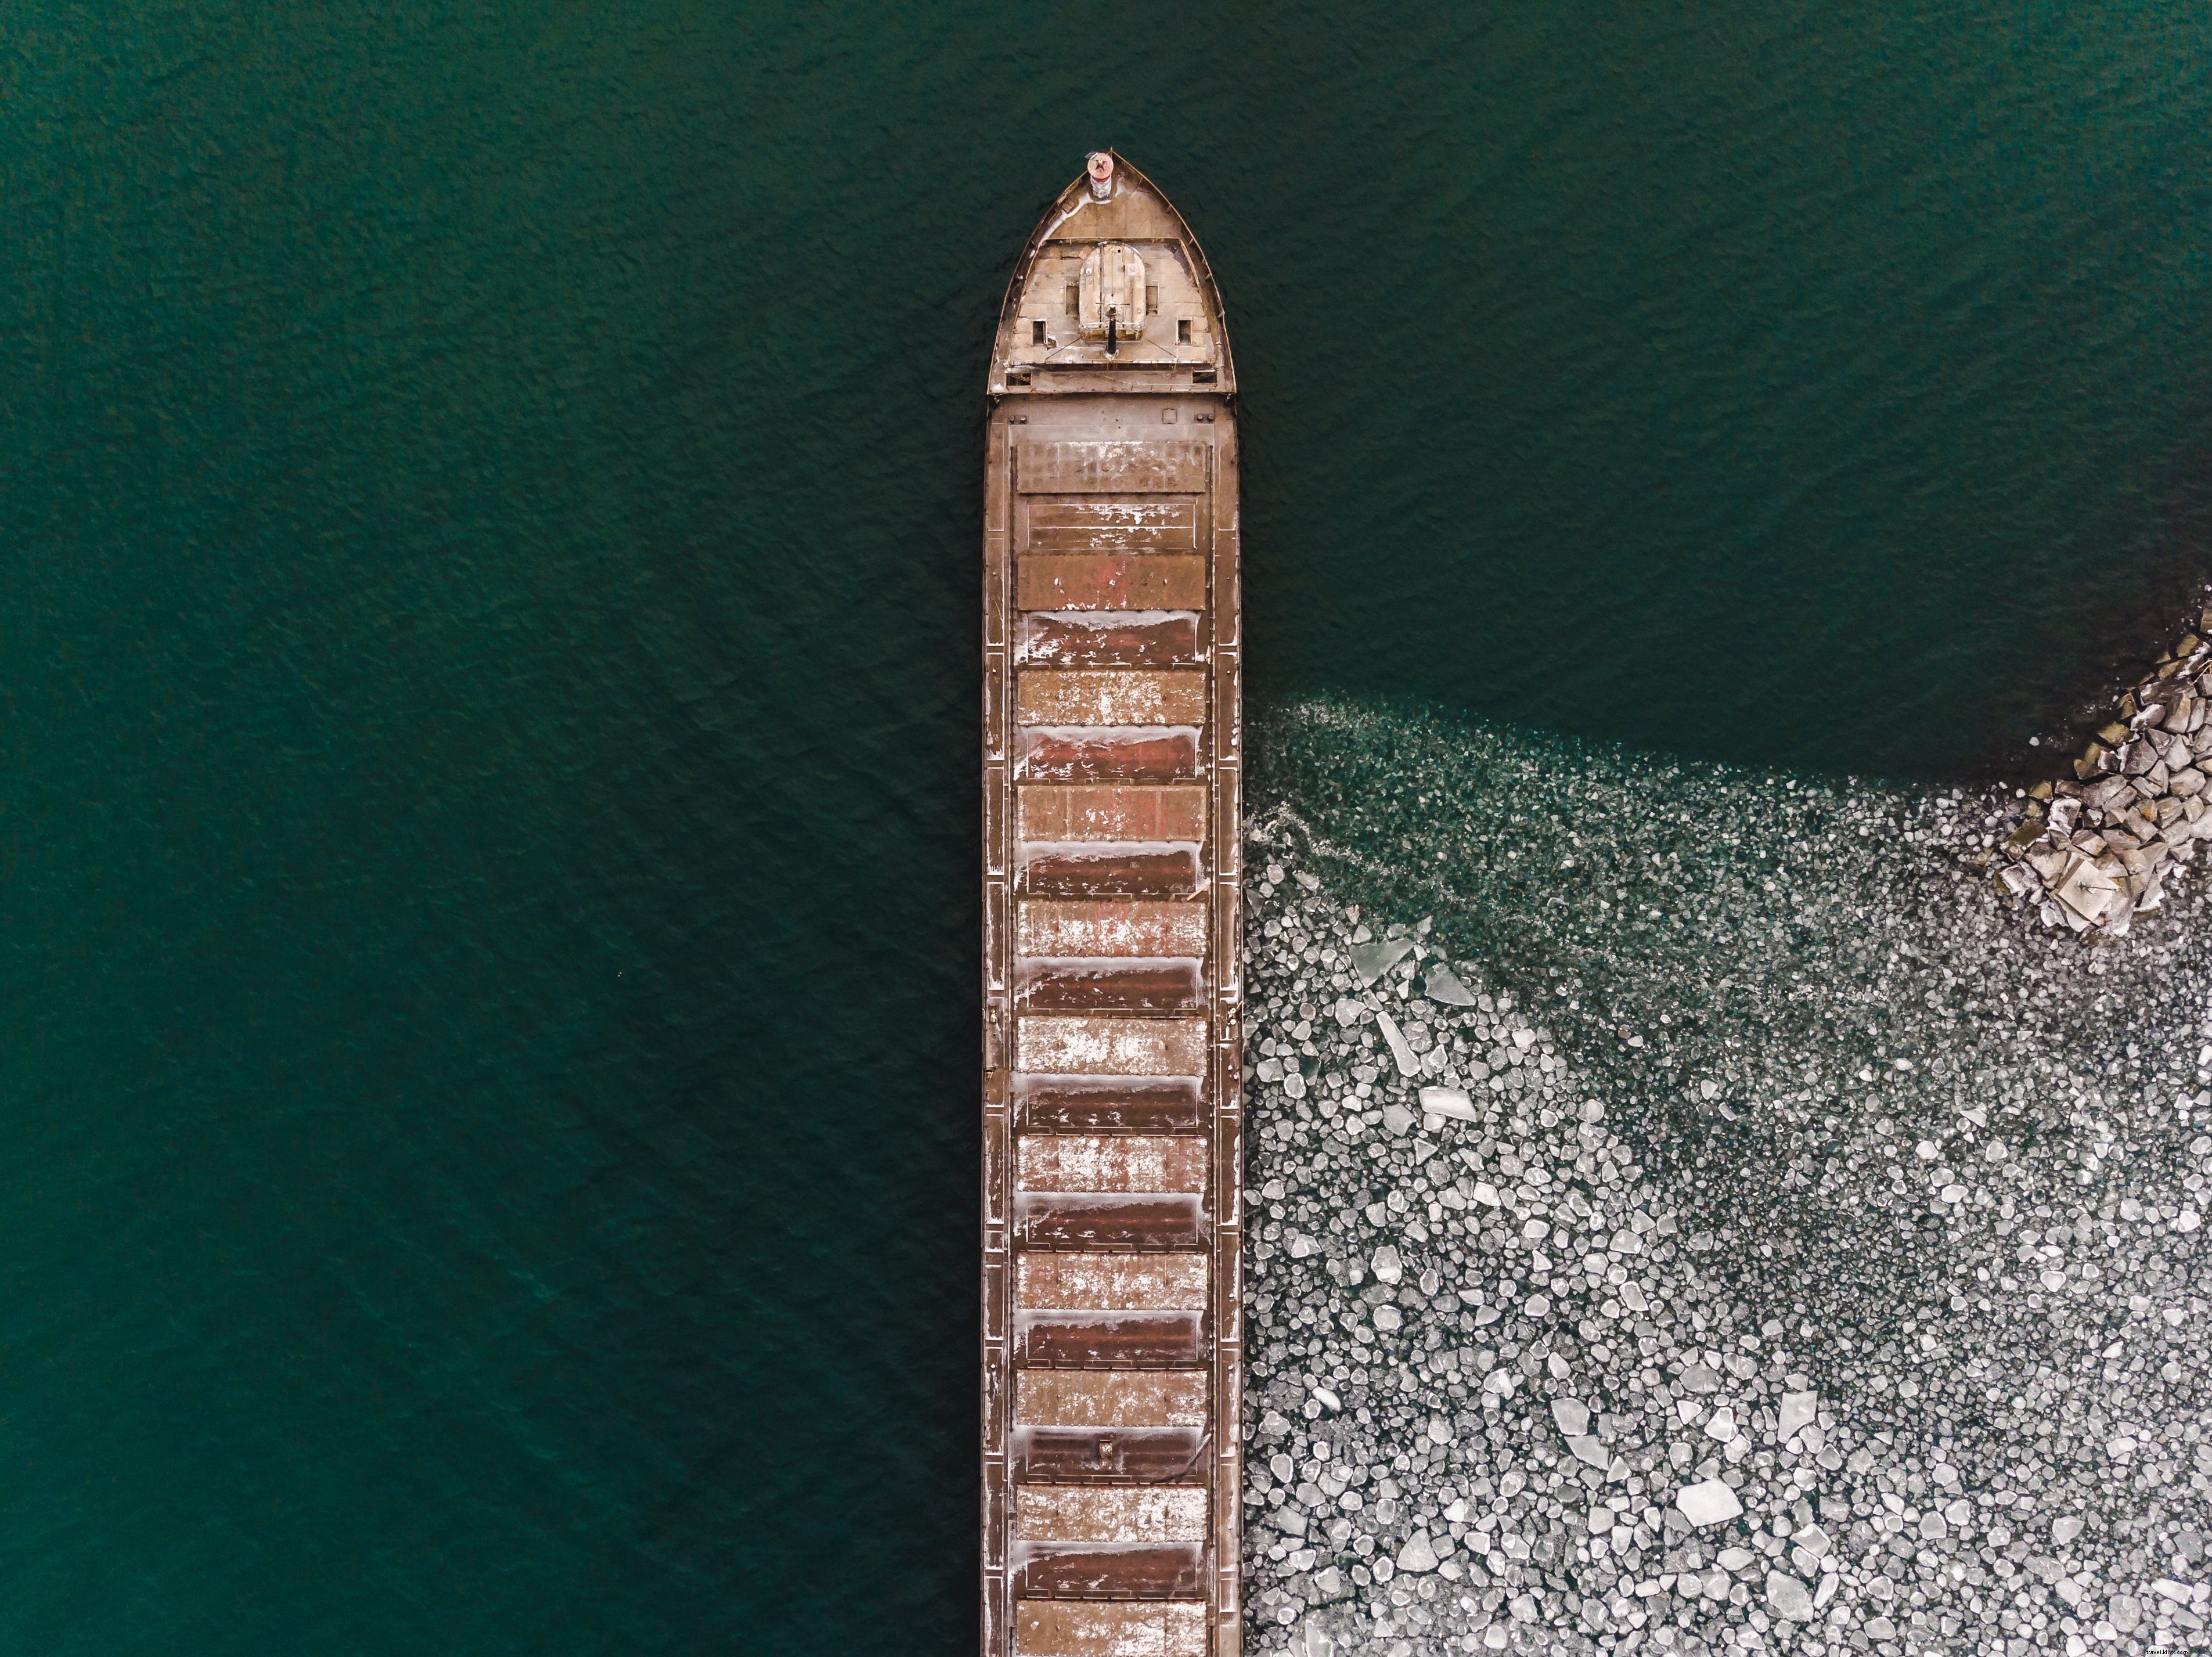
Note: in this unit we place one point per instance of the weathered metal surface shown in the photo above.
(1110, 1398)
(1131, 1104)
(1106, 580)
(1103, 985)
(1109, 638)
(1116, 468)
(1094, 526)
(1110, 1570)
(1109, 1340)
(1096, 927)
(1123, 813)
(1123, 1282)
(1075, 1628)
(1051, 1044)
(1110, 1455)
(1051, 1512)
(1113, 1116)
(1051, 755)
(1074, 871)
(1112, 1161)
(1111, 695)
(1096, 1219)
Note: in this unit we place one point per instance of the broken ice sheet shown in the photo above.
(2036, 1040)
(1370, 961)
(1449, 1101)
(1709, 1502)
(1797, 1411)
(1400, 1050)
(1442, 984)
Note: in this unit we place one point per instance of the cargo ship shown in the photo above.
(1112, 1041)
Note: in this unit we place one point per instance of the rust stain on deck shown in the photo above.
(1112, 1032)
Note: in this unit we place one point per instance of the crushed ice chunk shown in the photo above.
(1449, 1101)
(1788, 1597)
(1408, 1064)
(1370, 961)
(1442, 984)
(1709, 1502)
(1587, 1448)
(1797, 1411)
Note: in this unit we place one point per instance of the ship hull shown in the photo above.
(1112, 1105)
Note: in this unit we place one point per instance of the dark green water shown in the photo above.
(487, 546)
